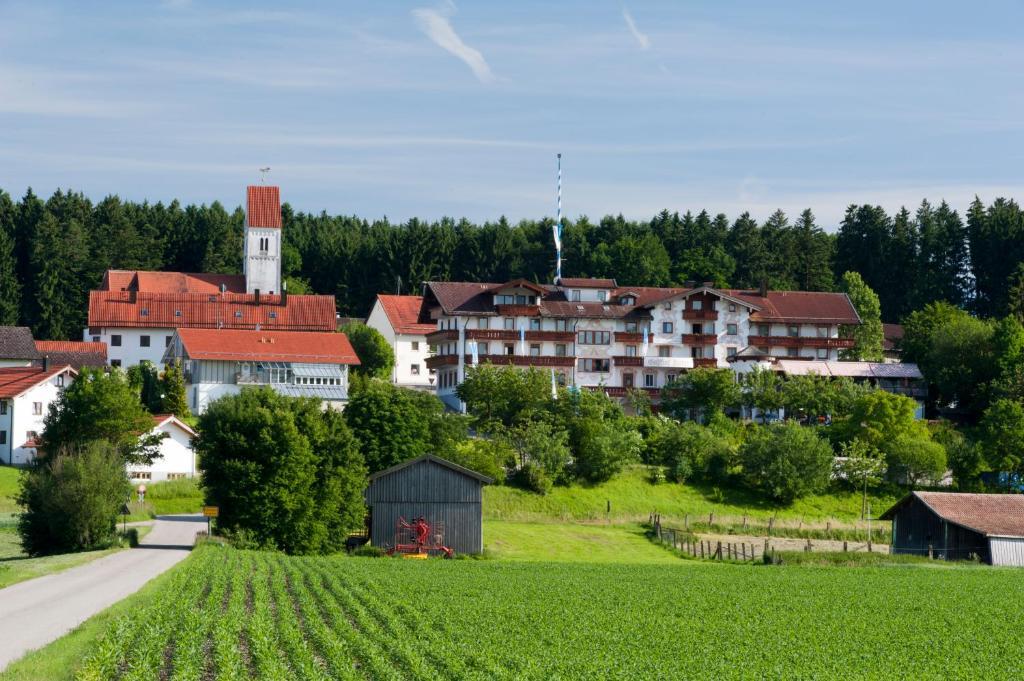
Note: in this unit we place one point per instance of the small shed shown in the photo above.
(956, 526)
(442, 492)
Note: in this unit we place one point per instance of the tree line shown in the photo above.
(54, 251)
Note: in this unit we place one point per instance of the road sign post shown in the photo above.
(210, 512)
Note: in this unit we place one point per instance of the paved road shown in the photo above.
(42, 610)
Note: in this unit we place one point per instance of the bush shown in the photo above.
(282, 469)
(392, 424)
(533, 477)
(376, 356)
(367, 551)
(785, 462)
(915, 460)
(600, 449)
(688, 450)
(488, 457)
(72, 500)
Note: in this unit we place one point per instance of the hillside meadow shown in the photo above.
(229, 614)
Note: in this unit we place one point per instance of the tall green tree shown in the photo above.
(10, 299)
(60, 264)
(702, 392)
(867, 335)
(376, 356)
(173, 399)
(390, 424)
(812, 268)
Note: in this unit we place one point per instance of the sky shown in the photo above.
(403, 109)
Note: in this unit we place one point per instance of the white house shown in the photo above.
(136, 312)
(219, 362)
(25, 397)
(397, 319)
(177, 459)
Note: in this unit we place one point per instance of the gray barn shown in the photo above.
(434, 488)
(956, 526)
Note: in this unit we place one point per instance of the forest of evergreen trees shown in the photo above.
(53, 251)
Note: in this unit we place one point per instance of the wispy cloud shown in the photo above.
(641, 38)
(439, 29)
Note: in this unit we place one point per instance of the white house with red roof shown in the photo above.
(397, 319)
(177, 458)
(25, 397)
(219, 362)
(136, 312)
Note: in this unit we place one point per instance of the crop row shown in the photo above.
(231, 615)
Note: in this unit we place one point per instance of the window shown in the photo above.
(115, 362)
(730, 329)
(664, 351)
(142, 475)
(594, 337)
(95, 339)
(823, 332)
(562, 325)
(696, 304)
(535, 350)
(670, 378)
(481, 348)
(115, 340)
(730, 352)
(822, 353)
(177, 476)
(667, 305)
(535, 324)
(793, 330)
(415, 346)
(3, 407)
(627, 300)
(143, 341)
(483, 323)
(59, 381)
(630, 351)
(697, 353)
(510, 324)
(595, 365)
(666, 327)
(631, 327)
(575, 295)
(602, 296)
(792, 352)
(521, 300)
(764, 330)
(273, 315)
(414, 369)
(177, 313)
(167, 341)
(510, 348)
(732, 307)
(144, 312)
(37, 409)
(238, 313)
(3, 437)
(648, 380)
(560, 350)
(627, 380)
(697, 329)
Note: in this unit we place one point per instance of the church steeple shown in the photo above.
(263, 239)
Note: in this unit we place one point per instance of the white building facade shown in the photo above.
(593, 333)
(220, 362)
(26, 394)
(397, 319)
(177, 458)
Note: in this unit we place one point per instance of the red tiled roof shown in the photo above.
(74, 353)
(994, 515)
(171, 282)
(268, 346)
(263, 206)
(16, 380)
(587, 282)
(403, 312)
(799, 306)
(123, 309)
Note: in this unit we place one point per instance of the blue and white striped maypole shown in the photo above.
(558, 228)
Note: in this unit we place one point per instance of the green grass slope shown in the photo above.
(8, 490)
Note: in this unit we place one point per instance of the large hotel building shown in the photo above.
(595, 333)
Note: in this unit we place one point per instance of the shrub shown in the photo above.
(392, 424)
(72, 499)
(376, 356)
(533, 477)
(600, 449)
(688, 450)
(915, 460)
(785, 462)
(486, 456)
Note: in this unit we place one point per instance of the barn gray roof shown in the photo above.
(16, 343)
(435, 459)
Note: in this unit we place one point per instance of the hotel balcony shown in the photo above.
(624, 361)
(670, 362)
(701, 315)
(513, 335)
(441, 336)
(800, 342)
(507, 310)
(705, 362)
(630, 337)
(438, 361)
(700, 339)
(617, 391)
(526, 360)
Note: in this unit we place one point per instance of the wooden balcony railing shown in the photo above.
(617, 391)
(701, 315)
(526, 360)
(706, 362)
(513, 335)
(518, 310)
(438, 361)
(700, 339)
(630, 337)
(442, 335)
(624, 361)
(800, 342)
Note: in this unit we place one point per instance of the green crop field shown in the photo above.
(228, 614)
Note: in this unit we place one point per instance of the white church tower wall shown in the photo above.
(263, 237)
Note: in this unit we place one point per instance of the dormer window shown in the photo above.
(238, 313)
(697, 305)
(177, 313)
(576, 295)
(627, 300)
(602, 296)
(144, 312)
(668, 305)
(273, 315)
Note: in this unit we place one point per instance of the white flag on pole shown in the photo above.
(643, 352)
(522, 340)
(473, 351)
(554, 385)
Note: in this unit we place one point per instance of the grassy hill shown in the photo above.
(633, 497)
(8, 488)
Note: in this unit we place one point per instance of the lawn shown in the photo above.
(15, 566)
(8, 490)
(633, 497)
(576, 542)
(232, 614)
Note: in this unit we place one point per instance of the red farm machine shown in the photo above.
(419, 539)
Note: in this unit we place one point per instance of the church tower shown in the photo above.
(263, 236)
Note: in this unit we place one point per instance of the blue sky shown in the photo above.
(403, 109)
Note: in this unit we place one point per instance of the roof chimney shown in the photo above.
(46, 362)
(763, 290)
(284, 293)
(256, 292)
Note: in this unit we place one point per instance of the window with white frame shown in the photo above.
(822, 353)
(560, 350)
(593, 337)
(667, 327)
(414, 369)
(732, 307)
(823, 331)
(730, 352)
(730, 329)
(576, 295)
(483, 323)
(37, 409)
(562, 325)
(631, 327)
(510, 324)
(630, 351)
(793, 330)
(648, 380)
(664, 351)
(58, 380)
(535, 324)
(481, 348)
(595, 365)
(535, 350)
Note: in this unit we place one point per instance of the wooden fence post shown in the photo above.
(869, 546)
(844, 546)
(711, 518)
(931, 553)
(744, 522)
(771, 524)
(701, 548)
(686, 521)
(718, 551)
(744, 545)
